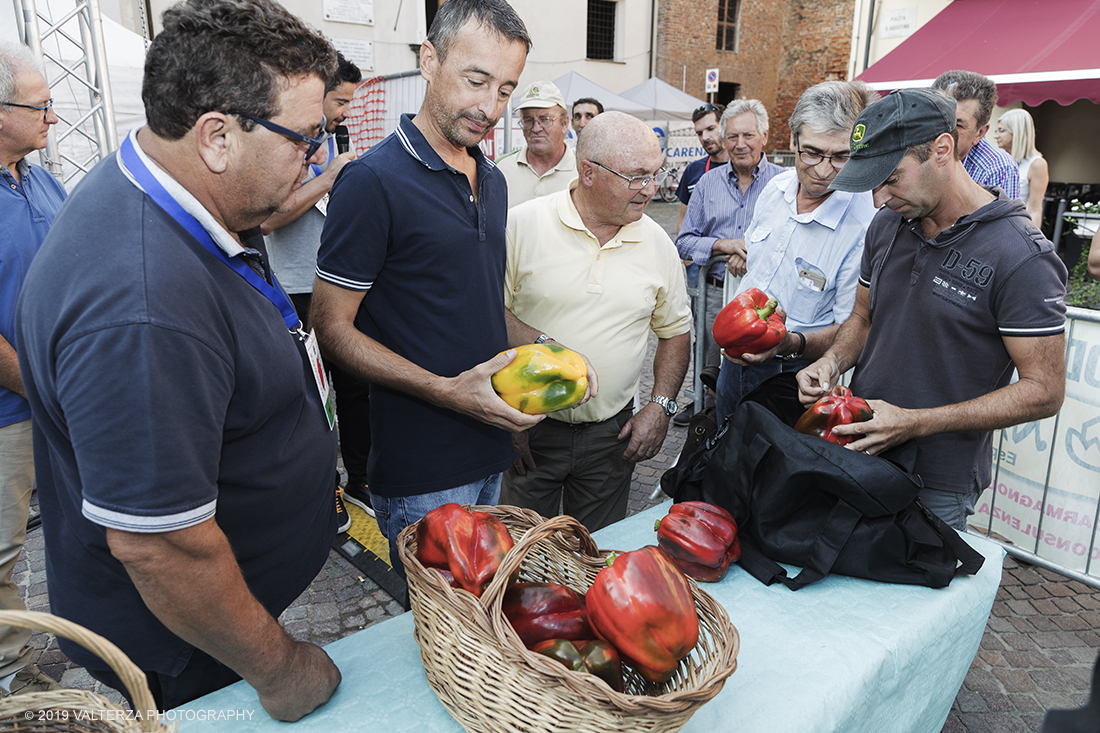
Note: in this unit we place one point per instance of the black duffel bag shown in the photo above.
(801, 500)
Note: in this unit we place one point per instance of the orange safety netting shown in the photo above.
(366, 121)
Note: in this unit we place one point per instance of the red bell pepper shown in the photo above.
(594, 657)
(701, 538)
(541, 611)
(470, 545)
(839, 407)
(642, 605)
(748, 324)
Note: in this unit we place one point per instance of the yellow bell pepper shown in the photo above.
(542, 378)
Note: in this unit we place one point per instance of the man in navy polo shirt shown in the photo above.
(414, 246)
(957, 286)
(185, 464)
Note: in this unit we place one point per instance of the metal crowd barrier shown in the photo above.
(1044, 504)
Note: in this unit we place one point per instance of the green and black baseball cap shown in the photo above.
(885, 131)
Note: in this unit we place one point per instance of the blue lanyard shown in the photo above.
(317, 170)
(152, 187)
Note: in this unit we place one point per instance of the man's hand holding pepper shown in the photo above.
(890, 425)
(787, 345)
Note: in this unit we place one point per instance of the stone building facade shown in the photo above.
(778, 49)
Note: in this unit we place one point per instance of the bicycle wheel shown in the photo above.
(668, 188)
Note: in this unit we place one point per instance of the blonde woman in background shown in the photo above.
(1015, 134)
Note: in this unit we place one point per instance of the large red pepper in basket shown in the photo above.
(469, 545)
(701, 538)
(542, 611)
(748, 324)
(642, 605)
(839, 407)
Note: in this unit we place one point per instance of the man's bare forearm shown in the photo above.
(670, 364)
(191, 582)
(10, 377)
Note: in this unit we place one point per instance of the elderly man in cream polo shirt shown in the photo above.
(591, 271)
(546, 165)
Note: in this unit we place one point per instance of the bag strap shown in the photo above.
(970, 559)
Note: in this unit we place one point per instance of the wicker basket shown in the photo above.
(489, 682)
(77, 711)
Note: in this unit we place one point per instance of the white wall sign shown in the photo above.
(350, 11)
(357, 51)
(711, 81)
(897, 23)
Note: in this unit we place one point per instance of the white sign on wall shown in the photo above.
(1062, 452)
(711, 82)
(350, 11)
(897, 23)
(357, 51)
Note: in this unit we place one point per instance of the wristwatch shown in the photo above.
(666, 402)
(543, 339)
(797, 354)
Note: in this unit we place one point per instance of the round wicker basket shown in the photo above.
(78, 711)
(489, 682)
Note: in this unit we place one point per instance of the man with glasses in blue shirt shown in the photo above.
(805, 240)
(29, 200)
(588, 269)
(547, 164)
(183, 448)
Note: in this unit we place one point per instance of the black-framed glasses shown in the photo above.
(528, 123)
(637, 183)
(811, 158)
(44, 109)
(313, 143)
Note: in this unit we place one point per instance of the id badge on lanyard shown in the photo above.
(272, 291)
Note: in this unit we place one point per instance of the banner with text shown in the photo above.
(1045, 496)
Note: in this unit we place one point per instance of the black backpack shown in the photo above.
(801, 500)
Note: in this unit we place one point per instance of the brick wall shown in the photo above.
(784, 47)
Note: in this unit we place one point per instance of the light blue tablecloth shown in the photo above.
(843, 655)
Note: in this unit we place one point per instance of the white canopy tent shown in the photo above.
(662, 101)
(573, 86)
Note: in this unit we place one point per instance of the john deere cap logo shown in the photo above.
(858, 132)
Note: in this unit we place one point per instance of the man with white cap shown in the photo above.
(546, 165)
(956, 287)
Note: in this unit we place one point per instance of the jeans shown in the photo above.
(950, 506)
(736, 381)
(394, 513)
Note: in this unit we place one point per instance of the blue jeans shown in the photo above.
(394, 513)
(950, 506)
(736, 381)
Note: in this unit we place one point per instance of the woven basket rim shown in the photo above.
(66, 699)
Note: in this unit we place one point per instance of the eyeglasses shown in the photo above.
(528, 123)
(312, 142)
(637, 183)
(708, 107)
(811, 158)
(1000, 131)
(44, 109)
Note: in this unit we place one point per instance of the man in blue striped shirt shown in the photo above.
(722, 205)
(976, 96)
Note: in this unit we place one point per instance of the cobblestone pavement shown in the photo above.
(1037, 653)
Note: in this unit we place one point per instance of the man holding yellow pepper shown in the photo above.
(586, 267)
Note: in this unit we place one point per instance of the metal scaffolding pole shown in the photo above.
(79, 31)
